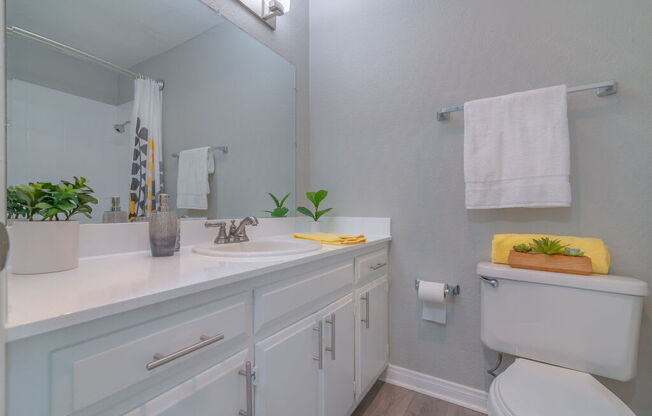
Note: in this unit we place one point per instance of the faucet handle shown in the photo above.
(213, 224)
(221, 238)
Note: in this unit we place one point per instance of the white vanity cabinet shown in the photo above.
(313, 335)
(337, 377)
(287, 371)
(371, 334)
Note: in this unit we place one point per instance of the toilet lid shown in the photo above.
(536, 389)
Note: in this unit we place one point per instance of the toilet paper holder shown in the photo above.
(448, 290)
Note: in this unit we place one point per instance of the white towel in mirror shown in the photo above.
(192, 180)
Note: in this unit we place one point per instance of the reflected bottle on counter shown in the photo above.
(162, 229)
(115, 214)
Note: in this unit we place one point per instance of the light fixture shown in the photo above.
(267, 10)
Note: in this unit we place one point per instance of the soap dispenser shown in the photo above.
(115, 214)
(162, 229)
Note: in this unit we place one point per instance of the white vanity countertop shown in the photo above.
(107, 285)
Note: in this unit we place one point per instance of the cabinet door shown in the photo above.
(287, 371)
(372, 333)
(337, 396)
(220, 390)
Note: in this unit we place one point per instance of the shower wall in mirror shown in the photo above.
(71, 114)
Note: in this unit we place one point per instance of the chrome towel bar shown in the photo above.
(223, 149)
(602, 89)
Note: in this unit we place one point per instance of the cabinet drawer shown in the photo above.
(94, 370)
(301, 295)
(371, 266)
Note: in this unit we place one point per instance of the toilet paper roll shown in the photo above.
(434, 301)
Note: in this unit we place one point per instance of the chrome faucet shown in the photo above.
(236, 234)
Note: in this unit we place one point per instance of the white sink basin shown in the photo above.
(258, 248)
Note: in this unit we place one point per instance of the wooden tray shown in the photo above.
(548, 263)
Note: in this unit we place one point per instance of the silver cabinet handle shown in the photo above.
(365, 298)
(320, 344)
(160, 359)
(378, 266)
(492, 282)
(331, 321)
(249, 376)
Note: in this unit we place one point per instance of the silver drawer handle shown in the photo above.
(331, 321)
(160, 359)
(320, 344)
(249, 374)
(378, 266)
(365, 298)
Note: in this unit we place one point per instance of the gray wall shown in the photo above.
(290, 40)
(379, 72)
(224, 87)
(31, 62)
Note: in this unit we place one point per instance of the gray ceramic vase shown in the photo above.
(162, 229)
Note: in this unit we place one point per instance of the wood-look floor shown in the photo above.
(389, 400)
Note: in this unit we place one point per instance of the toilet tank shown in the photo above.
(586, 323)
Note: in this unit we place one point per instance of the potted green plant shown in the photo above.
(549, 255)
(44, 237)
(315, 198)
(280, 211)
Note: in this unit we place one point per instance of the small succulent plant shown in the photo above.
(573, 252)
(547, 246)
(523, 248)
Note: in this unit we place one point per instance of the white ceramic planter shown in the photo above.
(43, 246)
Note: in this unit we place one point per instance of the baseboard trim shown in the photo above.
(458, 394)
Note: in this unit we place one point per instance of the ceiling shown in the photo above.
(124, 32)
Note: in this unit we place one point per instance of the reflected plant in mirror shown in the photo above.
(316, 198)
(280, 211)
(49, 201)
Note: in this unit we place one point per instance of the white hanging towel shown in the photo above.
(192, 181)
(517, 150)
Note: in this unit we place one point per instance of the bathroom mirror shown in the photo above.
(114, 91)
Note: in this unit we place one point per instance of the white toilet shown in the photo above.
(565, 327)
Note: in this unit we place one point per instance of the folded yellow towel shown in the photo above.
(592, 247)
(333, 239)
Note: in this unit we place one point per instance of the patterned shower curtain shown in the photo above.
(146, 172)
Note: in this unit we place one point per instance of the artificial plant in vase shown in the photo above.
(549, 255)
(315, 198)
(44, 237)
(280, 211)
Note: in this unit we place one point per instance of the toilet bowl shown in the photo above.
(530, 388)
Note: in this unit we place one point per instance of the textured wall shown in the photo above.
(290, 40)
(379, 72)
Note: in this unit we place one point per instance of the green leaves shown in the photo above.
(547, 246)
(50, 200)
(305, 211)
(316, 198)
(522, 248)
(280, 210)
(573, 252)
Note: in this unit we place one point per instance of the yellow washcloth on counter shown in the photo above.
(333, 239)
(592, 247)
